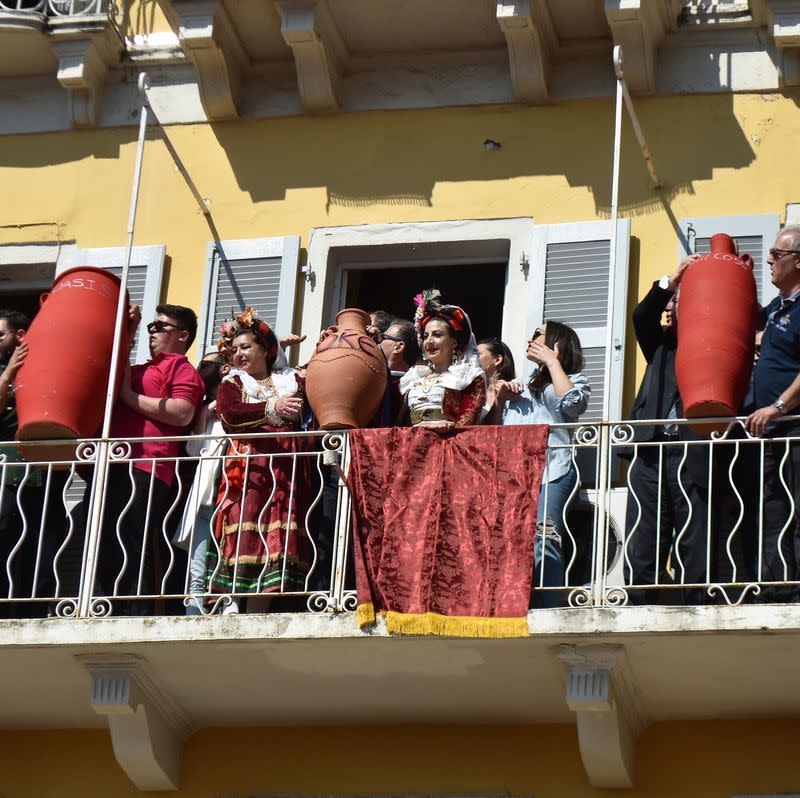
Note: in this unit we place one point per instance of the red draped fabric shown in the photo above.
(444, 527)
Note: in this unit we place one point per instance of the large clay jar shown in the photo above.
(61, 387)
(717, 314)
(346, 377)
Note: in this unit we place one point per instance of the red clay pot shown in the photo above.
(346, 376)
(61, 387)
(717, 316)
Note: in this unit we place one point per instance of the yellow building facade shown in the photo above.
(332, 143)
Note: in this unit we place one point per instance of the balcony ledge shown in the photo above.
(567, 623)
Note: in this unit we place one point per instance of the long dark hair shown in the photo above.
(507, 371)
(570, 354)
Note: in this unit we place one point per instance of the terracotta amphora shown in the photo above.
(717, 314)
(61, 387)
(347, 374)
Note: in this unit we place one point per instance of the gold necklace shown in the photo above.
(429, 382)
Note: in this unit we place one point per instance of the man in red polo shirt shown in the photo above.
(157, 399)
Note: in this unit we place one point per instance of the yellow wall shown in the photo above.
(721, 154)
(691, 760)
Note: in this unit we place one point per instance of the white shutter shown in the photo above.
(754, 234)
(144, 282)
(257, 272)
(570, 283)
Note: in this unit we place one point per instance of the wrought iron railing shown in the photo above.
(59, 8)
(652, 519)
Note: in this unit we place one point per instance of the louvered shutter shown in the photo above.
(754, 234)
(144, 282)
(258, 272)
(570, 282)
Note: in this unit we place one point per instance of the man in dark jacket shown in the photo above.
(672, 515)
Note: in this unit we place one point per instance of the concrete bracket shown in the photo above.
(147, 728)
(601, 690)
(309, 28)
(530, 39)
(208, 36)
(783, 18)
(639, 26)
(86, 48)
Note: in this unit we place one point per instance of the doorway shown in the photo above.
(479, 288)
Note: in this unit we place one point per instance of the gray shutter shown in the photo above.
(261, 273)
(572, 271)
(754, 234)
(576, 293)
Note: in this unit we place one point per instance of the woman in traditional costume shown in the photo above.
(557, 393)
(449, 390)
(261, 541)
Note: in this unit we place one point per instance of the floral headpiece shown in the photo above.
(429, 307)
(247, 320)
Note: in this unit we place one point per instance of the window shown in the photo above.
(754, 234)
(144, 281)
(569, 282)
(257, 272)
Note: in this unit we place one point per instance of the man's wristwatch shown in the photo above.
(781, 406)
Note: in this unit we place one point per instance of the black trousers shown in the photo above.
(780, 543)
(130, 537)
(655, 525)
(36, 531)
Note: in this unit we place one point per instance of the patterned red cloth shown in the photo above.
(444, 526)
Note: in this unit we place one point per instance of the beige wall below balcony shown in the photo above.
(692, 760)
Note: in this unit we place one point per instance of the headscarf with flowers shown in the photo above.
(429, 306)
(466, 368)
(283, 376)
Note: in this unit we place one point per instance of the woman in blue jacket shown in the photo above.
(557, 393)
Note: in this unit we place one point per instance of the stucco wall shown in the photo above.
(694, 760)
(720, 154)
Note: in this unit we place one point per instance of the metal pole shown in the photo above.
(604, 438)
(102, 451)
(637, 128)
(122, 309)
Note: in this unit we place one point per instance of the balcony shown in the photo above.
(125, 650)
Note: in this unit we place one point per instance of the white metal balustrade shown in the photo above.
(59, 8)
(696, 532)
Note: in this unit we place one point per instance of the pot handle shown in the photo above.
(43, 298)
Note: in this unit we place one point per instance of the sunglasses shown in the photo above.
(536, 334)
(777, 254)
(385, 337)
(161, 326)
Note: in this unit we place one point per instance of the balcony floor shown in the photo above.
(297, 669)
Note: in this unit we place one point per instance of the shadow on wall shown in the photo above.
(137, 17)
(50, 149)
(399, 157)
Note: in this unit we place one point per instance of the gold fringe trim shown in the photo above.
(431, 623)
(365, 615)
(252, 526)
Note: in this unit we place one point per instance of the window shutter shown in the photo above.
(258, 272)
(754, 234)
(144, 282)
(570, 283)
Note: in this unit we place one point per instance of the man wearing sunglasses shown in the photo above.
(157, 399)
(776, 393)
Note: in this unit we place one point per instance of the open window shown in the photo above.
(257, 272)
